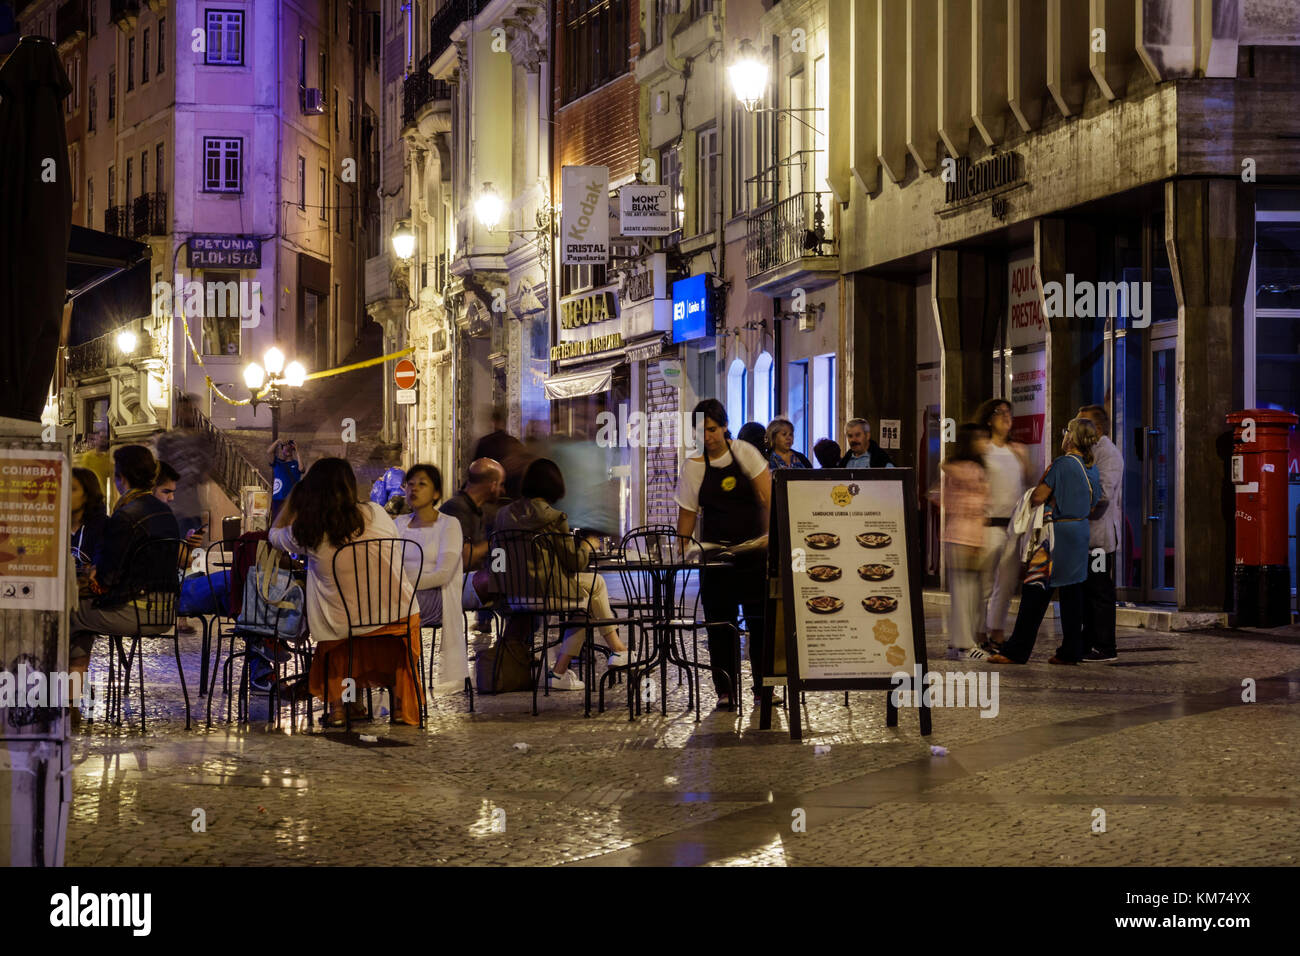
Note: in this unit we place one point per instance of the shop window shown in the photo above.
(823, 397)
(764, 389)
(737, 383)
(1277, 314)
(799, 404)
(220, 313)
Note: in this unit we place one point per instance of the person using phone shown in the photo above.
(286, 471)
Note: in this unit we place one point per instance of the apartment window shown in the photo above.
(338, 209)
(352, 120)
(375, 38)
(706, 179)
(336, 110)
(351, 14)
(662, 8)
(322, 70)
(130, 64)
(670, 174)
(112, 92)
(162, 46)
(144, 172)
(302, 183)
(130, 180)
(159, 168)
(112, 185)
(74, 169)
(742, 166)
(222, 158)
(221, 313)
(93, 17)
(595, 44)
(324, 202)
(92, 107)
(582, 278)
(90, 203)
(302, 62)
(225, 37)
(144, 56)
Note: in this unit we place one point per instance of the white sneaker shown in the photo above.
(566, 681)
(619, 659)
(977, 654)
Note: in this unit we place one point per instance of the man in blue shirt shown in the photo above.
(863, 452)
(286, 471)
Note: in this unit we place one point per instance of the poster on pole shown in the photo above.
(851, 582)
(584, 215)
(33, 529)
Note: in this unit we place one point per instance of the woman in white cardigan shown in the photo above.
(438, 582)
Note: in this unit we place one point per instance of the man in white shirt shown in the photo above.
(1103, 541)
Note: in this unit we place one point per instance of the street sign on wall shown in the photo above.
(584, 217)
(404, 373)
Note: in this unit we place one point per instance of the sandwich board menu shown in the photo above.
(851, 583)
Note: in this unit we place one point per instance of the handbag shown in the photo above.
(1103, 502)
(273, 598)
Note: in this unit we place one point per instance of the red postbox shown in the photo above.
(1262, 577)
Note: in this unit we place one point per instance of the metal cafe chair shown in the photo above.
(522, 597)
(657, 578)
(153, 569)
(570, 580)
(375, 600)
(435, 626)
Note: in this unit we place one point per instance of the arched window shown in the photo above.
(764, 389)
(737, 383)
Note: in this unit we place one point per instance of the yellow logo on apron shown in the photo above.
(729, 483)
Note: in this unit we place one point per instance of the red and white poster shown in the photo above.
(1026, 383)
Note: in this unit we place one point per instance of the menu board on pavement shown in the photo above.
(850, 579)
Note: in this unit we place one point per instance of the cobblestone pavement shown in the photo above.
(1161, 744)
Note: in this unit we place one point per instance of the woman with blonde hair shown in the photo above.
(780, 444)
(1070, 488)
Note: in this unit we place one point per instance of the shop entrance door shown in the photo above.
(1145, 564)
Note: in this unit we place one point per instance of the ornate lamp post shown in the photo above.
(268, 383)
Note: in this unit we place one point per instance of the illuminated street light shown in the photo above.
(403, 240)
(126, 341)
(489, 206)
(274, 361)
(295, 374)
(748, 76)
(254, 376)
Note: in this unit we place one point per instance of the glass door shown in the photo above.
(1161, 462)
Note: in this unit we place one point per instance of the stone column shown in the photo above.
(969, 300)
(883, 313)
(1210, 238)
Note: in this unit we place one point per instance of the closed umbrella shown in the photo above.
(35, 223)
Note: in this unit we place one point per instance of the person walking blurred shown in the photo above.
(1103, 540)
(1070, 488)
(965, 507)
(1006, 464)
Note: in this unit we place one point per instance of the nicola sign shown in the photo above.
(229, 252)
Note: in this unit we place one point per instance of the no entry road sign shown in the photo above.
(404, 373)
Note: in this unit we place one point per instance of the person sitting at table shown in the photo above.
(321, 515)
(542, 487)
(138, 517)
(438, 579)
(86, 501)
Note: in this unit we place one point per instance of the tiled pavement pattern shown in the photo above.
(1185, 772)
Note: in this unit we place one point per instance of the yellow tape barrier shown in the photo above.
(311, 377)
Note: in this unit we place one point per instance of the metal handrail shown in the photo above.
(230, 469)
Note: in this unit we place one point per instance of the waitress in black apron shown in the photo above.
(723, 499)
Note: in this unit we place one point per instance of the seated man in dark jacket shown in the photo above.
(863, 451)
(116, 578)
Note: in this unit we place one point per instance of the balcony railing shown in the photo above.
(418, 89)
(451, 15)
(99, 355)
(230, 469)
(149, 215)
(124, 12)
(115, 222)
(70, 22)
(789, 230)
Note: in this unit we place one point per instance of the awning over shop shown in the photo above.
(590, 381)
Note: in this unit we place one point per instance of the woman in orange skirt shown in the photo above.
(321, 516)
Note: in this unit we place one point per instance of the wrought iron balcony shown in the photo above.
(794, 236)
(115, 222)
(70, 22)
(124, 13)
(149, 215)
(451, 15)
(99, 355)
(418, 89)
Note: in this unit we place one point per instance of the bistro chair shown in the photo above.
(568, 601)
(376, 600)
(658, 579)
(523, 598)
(435, 625)
(153, 570)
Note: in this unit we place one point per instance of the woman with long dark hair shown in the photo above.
(723, 499)
(86, 500)
(438, 581)
(321, 515)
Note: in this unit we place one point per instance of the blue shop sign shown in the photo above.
(692, 308)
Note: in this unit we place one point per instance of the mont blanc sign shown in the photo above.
(224, 252)
(644, 211)
(584, 216)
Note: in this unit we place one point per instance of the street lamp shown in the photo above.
(403, 240)
(748, 76)
(266, 382)
(126, 341)
(489, 206)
